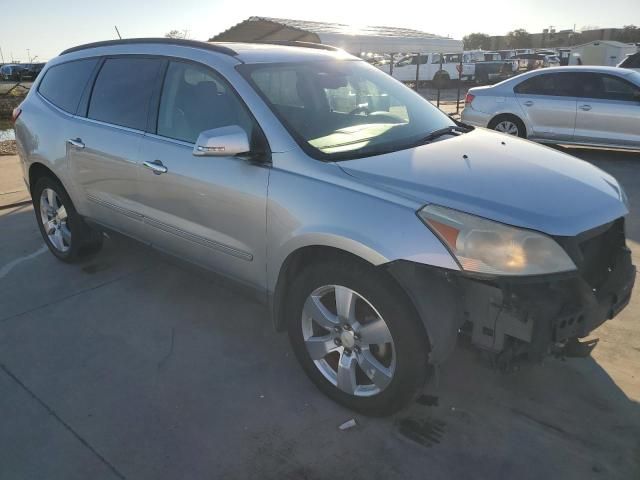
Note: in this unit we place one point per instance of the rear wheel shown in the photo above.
(64, 231)
(357, 337)
(510, 125)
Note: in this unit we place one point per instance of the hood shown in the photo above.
(499, 177)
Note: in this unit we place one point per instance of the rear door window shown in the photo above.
(550, 84)
(122, 92)
(63, 84)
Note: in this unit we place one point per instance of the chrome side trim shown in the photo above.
(205, 242)
(111, 125)
(117, 208)
(169, 140)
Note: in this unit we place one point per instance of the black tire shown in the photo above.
(409, 337)
(85, 241)
(522, 129)
(441, 80)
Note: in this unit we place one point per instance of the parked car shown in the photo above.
(430, 68)
(374, 227)
(533, 61)
(14, 72)
(595, 106)
(485, 67)
(632, 62)
(34, 69)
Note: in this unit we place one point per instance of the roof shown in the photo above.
(353, 39)
(610, 43)
(572, 68)
(242, 52)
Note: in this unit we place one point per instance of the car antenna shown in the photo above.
(118, 32)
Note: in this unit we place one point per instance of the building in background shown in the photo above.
(601, 52)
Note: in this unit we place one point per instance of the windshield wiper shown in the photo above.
(441, 132)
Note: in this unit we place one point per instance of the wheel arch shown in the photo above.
(306, 253)
(39, 170)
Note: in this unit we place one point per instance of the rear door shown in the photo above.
(548, 103)
(208, 210)
(608, 111)
(105, 141)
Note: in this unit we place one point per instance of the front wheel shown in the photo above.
(357, 337)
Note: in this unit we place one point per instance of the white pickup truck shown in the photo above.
(430, 68)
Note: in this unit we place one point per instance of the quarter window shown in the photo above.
(64, 84)
(194, 99)
(122, 92)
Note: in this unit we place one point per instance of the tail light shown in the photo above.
(15, 114)
(469, 98)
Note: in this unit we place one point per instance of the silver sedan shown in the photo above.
(596, 106)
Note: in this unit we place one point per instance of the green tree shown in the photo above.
(519, 38)
(477, 40)
(629, 34)
(177, 34)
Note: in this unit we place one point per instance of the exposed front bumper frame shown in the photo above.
(526, 316)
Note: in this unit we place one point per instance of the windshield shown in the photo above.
(340, 110)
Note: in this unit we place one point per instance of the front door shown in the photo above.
(548, 103)
(208, 210)
(608, 111)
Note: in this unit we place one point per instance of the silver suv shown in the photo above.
(376, 229)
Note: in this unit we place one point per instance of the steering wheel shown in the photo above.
(361, 109)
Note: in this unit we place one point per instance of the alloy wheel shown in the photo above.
(54, 218)
(348, 340)
(507, 126)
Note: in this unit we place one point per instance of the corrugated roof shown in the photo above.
(340, 28)
(352, 38)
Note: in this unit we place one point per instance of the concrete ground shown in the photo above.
(131, 366)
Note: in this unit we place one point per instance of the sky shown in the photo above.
(46, 27)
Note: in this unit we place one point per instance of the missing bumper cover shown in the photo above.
(523, 316)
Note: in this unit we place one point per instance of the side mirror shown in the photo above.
(222, 142)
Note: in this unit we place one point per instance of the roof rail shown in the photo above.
(163, 41)
(294, 43)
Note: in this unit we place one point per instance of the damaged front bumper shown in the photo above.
(517, 317)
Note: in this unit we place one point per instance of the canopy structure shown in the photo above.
(353, 39)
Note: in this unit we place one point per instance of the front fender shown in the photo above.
(342, 213)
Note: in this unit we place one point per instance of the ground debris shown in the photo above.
(348, 424)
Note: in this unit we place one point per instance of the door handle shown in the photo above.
(528, 103)
(586, 108)
(75, 142)
(156, 167)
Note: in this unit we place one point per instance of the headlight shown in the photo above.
(485, 246)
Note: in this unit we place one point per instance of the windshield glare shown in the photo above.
(339, 110)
